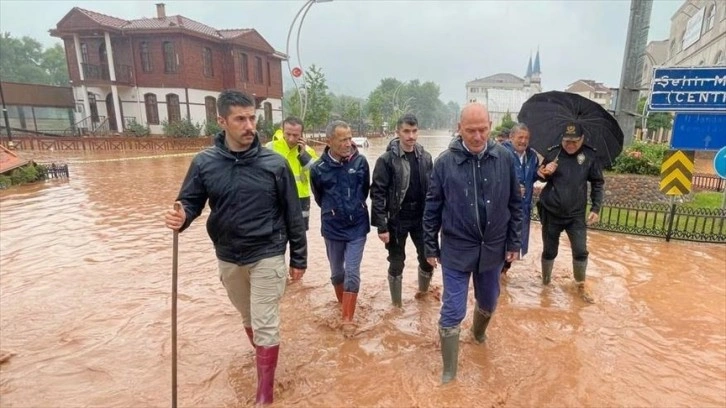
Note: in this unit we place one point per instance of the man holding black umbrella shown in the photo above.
(567, 168)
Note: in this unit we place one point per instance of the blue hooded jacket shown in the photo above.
(340, 190)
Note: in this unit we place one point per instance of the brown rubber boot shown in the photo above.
(349, 300)
(339, 292)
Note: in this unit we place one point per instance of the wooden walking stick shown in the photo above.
(174, 278)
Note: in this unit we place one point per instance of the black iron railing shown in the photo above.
(669, 221)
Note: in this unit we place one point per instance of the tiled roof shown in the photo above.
(234, 33)
(161, 23)
(171, 22)
(103, 19)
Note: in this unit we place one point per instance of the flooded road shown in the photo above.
(85, 277)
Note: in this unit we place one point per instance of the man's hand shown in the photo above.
(296, 273)
(593, 218)
(174, 219)
(511, 256)
(433, 261)
(384, 237)
(301, 144)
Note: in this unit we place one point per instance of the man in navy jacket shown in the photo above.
(340, 184)
(474, 200)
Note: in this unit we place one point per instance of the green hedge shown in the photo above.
(641, 158)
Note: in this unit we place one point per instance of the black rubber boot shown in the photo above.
(547, 266)
(424, 280)
(394, 284)
(479, 328)
(449, 352)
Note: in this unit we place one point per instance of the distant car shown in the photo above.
(361, 142)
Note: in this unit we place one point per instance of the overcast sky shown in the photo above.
(357, 43)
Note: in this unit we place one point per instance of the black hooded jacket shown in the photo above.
(253, 199)
(391, 177)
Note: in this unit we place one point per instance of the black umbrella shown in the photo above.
(546, 115)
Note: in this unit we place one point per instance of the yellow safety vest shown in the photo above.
(302, 176)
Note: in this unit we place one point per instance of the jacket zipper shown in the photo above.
(476, 199)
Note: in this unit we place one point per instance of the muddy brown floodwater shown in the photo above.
(85, 272)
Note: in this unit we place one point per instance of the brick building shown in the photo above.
(592, 90)
(166, 68)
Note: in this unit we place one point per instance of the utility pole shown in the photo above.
(5, 116)
(632, 72)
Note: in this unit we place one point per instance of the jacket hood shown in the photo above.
(394, 146)
(457, 147)
(245, 156)
(326, 156)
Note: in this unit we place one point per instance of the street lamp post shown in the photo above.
(304, 11)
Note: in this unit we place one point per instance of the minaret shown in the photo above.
(529, 68)
(536, 72)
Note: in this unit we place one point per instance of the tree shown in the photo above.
(507, 123)
(393, 98)
(319, 104)
(654, 120)
(24, 60)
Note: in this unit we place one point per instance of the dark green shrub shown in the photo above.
(135, 128)
(211, 128)
(181, 128)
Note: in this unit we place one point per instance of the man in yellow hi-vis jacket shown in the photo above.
(289, 143)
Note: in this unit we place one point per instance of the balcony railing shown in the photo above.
(100, 72)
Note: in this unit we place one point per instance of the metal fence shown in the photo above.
(669, 221)
(708, 182)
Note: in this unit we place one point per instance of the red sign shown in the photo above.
(296, 72)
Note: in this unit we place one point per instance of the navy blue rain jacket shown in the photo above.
(340, 190)
(474, 201)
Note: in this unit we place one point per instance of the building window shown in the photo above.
(170, 64)
(268, 111)
(207, 61)
(210, 105)
(710, 17)
(145, 57)
(258, 70)
(244, 67)
(93, 107)
(172, 108)
(269, 74)
(152, 110)
(84, 53)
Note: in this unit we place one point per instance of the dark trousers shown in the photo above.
(305, 205)
(552, 227)
(396, 246)
(456, 291)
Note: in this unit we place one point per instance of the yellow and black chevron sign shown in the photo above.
(676, 172)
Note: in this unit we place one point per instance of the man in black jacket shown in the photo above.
(398, 196)
(255, 211)
(567, 168)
